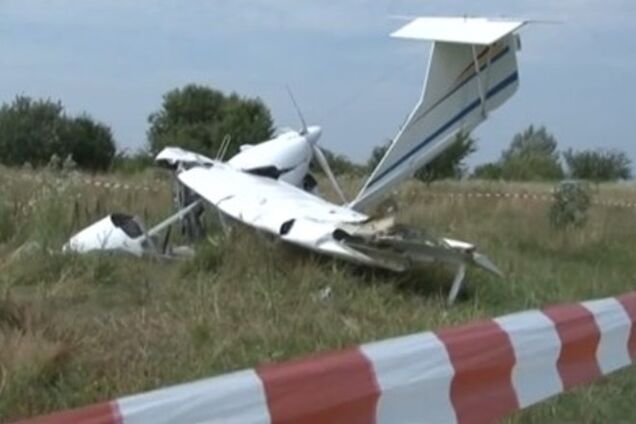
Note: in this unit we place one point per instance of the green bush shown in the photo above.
(199, 118)
(598, 165)
(132, 163)
(339, 164)
(570, 205)
(488, 171)
(531, 166)
(531, 156)
(7, 224)
(448, 165)
(34, 131)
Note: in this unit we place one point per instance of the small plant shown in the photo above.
(571, 201)
(208, 257)
(7, 228)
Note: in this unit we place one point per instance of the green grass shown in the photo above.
(77, 330)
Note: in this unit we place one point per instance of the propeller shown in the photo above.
(317, 152)
(300, 114)
(324, 164)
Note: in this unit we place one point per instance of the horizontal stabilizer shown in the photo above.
(480, 31)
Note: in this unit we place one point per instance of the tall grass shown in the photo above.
(80, 329)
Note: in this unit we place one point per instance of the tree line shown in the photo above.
(40, 132)
(35, 131)
(533, 156)
(199, 118)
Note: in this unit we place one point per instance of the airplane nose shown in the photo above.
(313, 134)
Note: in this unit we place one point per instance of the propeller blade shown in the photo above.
(300, 114)
(324, 164)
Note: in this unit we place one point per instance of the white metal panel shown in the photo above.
(290, 153)
(267, 204)
(262, 202)
(480, 31)
(103, 235)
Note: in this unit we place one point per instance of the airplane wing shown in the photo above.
(262, 202)
(277, 208)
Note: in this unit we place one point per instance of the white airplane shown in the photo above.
(472, 71)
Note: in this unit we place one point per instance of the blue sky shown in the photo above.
(114, 59)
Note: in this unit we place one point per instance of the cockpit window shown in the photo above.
(127, 224)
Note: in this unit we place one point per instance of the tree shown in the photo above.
(532, 142)
(377, 154)
(30, 131)
(89, 143)
(488, 171)
(339, 164)
(34, 130)
(449, 164)
(532, 156)
(598, 165)
(531, 167)
(199, 118)
(128, 162)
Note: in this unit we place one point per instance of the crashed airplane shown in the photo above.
(472, 71)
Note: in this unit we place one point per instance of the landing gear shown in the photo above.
(192, 224)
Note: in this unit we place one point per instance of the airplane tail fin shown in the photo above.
(472, 71)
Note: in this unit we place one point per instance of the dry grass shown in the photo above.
(76, 330)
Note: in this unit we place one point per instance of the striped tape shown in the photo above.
(158, 185)
(155, 186)
(473, 374)
(538, 197)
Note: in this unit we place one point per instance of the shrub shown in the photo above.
(531, 156)
(598, 165)
(339, 164)
(570, 205)
(7, 224)
(198, 118)
(488, 171)
(532, 166)
(448, 165)
(34, 131)
(132, 163)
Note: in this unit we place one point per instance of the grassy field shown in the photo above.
(76, 330)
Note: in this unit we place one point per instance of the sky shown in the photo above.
(114, 59)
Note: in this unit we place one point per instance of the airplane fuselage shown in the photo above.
(286, 157)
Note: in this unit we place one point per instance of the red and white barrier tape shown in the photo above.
(477, 373)
(539, 197)
(158, 185)
(155, 186)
